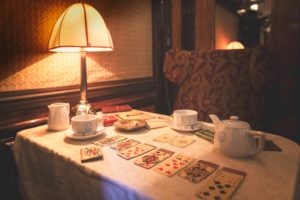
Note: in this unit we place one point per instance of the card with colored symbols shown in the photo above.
(174, 164)
(110, 140)
(222, 185)
(90, 154)
(125, 144)
(150, 159)
(136, 151)
(198, 171)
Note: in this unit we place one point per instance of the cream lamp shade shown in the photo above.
(81, 28)
(235, 45)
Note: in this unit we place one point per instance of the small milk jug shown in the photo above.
(58, 118)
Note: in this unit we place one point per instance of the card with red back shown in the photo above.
(174, 164)
(222, 185)
(118, 108)
(136, 151)
(125, 144)
(150, 159)
(108, 120)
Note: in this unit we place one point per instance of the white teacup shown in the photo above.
(185, 118)
(85, 124)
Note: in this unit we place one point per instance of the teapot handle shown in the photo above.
(261, 140)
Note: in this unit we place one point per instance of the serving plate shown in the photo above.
(83, 136)
(191, 128)
(129, 124)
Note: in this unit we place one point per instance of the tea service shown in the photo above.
(234, 138)
(185, 120)
(58, 117)
(85, 126)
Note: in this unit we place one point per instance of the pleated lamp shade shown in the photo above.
(80, 28)
(235, 45)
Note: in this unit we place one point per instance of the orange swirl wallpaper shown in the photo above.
(26, 63)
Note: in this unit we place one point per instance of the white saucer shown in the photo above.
(192, 128)
(79, 136)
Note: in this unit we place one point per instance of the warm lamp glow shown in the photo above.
(254, 7)
(235, 45)
(80, 28)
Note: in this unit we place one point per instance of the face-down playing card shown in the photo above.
(136, 150)
(150, 159)
(198, 171)
(222, 185)
(174, 164)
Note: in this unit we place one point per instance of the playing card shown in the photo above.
(165, 138)
(150, 159)
(136, 151)
(222, 185)
(110, 140)
(174, 164)
(182, 141)
(156, 123)
(198, 171)
(125, 144)
(206, 135)
(90, 154)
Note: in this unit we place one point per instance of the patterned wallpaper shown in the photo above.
(25, 28)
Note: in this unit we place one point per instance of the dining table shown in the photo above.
(50, 168)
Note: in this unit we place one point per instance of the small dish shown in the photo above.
(129, 124)
(80, 136)
(191, 128)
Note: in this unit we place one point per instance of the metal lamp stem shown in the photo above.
(83, 107)
(83, 78)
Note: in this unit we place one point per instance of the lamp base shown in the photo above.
(83, 107)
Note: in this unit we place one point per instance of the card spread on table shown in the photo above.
(125, 144)
(174, 164)
(90, 154)
(182, 141)
(165, 138)
(178, 141)
(198, 171)
(110, 140)
(150, 159)
(222, 185)
(156, 123)
(136, 151)
(206, 135)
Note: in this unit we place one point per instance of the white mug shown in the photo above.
(86, 124)
(58, 117)
(185, 117)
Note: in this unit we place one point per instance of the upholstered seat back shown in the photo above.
(223, 82)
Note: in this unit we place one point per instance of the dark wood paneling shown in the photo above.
(188, 24)
(24, 109)
(162, 42)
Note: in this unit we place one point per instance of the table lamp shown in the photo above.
(82, 29)
(235, 45)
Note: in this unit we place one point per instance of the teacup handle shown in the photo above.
(261, 140)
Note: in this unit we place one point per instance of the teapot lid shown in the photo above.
(234, 122)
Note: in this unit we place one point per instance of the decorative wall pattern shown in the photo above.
(25, 62)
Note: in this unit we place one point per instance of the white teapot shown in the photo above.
(58, 117)
(234, 138)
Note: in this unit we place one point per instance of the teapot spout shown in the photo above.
(216, 121)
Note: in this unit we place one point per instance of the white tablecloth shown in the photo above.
(49, 168)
